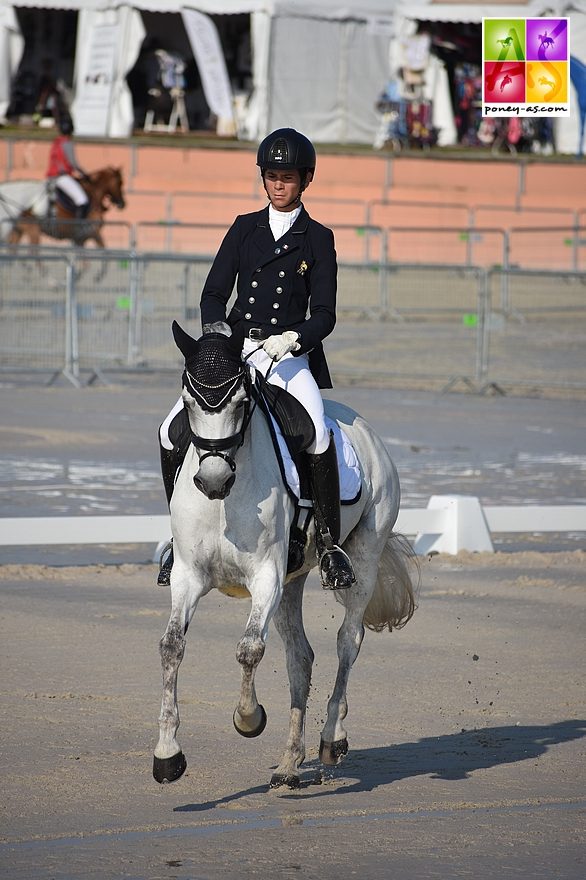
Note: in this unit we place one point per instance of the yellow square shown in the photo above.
(546, 82)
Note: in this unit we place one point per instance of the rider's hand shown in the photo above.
(278, 346)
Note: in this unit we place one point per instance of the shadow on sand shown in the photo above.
(452, 756)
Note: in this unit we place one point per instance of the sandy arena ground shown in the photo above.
(465, 728)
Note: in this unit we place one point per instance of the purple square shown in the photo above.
(547, 39)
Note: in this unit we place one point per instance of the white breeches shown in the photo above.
(72, 188)
(292, 374)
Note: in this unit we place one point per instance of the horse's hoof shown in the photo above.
(332, 753)
(291, 780)
(169, 769)
(252, 731)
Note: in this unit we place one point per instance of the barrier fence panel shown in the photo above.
(538, 335)
(361, 290)
(434, 327)
(125, 304)
(548, 247)
(35, 309)
(74, 311)
(170, 290)
(103, 306)
(170, 237)
(462, 245)
(359, 244)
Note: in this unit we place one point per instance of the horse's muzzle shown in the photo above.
(211, 489)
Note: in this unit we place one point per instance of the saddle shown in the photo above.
(58, 197)
(298, 432)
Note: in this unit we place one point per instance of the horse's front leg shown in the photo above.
(265, 588)
(186, 589)
(289, 624)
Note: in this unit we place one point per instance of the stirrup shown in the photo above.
(166, 564)
(335, 569)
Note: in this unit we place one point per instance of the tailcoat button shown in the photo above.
(279, 290)
(248, 316)
(258, 270)
(275, 305)
(254, 284)
(281, 274)
(251, 299)
(277, 250)
(273, 320)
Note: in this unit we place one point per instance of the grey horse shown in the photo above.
(231, 516)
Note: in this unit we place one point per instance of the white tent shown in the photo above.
(321, 64)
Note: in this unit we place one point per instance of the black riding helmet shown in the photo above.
(286, 149)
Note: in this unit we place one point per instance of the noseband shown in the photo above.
(213, 397)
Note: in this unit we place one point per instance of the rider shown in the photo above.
(286, 265)
(63, 164)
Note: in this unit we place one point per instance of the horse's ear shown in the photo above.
(185, 343)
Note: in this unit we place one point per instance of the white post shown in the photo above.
(464, 527)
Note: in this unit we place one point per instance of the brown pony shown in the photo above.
(103, 188)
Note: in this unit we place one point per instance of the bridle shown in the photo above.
(216, 448)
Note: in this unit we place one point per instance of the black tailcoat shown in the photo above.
(288, 284)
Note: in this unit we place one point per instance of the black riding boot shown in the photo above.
(168, 471)
(335, 568)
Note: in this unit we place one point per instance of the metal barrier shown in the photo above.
(431, 323)
(548, 247)
(37, 330)
(82, 313)
(453, 245)
(354, 243)
(537, 334)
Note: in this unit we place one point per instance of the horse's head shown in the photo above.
(216, 393)
(107, 183)
(115, 187)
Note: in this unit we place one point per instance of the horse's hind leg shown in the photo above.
(289, 624)
(364, 550)
(169, 761)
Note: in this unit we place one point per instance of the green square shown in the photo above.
(504, 39)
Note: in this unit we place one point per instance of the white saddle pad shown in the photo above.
(350, 479)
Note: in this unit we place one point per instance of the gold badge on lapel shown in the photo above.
(303, 267)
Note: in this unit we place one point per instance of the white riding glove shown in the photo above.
(278, 346)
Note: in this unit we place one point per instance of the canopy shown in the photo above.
(322, 64)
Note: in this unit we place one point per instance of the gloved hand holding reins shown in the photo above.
(278, 346)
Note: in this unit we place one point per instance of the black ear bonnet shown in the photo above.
(214, 370)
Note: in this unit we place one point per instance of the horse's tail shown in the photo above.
(393, 601)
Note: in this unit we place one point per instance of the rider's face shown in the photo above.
(283, 188)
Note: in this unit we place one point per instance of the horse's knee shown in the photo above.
(250, 650)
